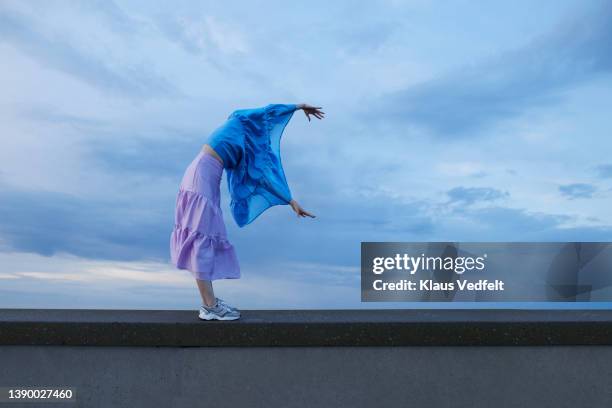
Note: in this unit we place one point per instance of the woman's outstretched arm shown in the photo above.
(319, 114)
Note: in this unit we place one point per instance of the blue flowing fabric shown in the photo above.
(249, 144)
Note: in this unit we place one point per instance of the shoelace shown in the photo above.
(222, 302)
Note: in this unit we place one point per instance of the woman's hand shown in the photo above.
(299, 210)
(311, 110)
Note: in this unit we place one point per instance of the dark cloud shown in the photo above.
(471, 195)
(497, 223)
(505, 224)
(132, 228)
(577, 190)
(47, 223)
(469, 99)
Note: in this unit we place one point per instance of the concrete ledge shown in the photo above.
(182, 328)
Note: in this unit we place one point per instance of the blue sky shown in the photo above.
(458, 120)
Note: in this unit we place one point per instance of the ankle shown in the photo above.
(209, 304)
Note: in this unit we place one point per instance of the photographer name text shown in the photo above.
(431, 285)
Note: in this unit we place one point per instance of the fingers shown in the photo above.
(314, 111)
(318, 115)
(301, 213)
(305, 213)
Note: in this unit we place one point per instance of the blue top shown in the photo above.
(249, 144)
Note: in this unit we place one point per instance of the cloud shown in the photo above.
(112, 15)
(604, 170)
(191, 37)
(130, 228)
(471, 98)
(135, 155)
(364, 39)
(119, 149)
(56, 51)
(504, 224)
(577, 190)
(224, 46)
(53, 116)
(471, 195)
(202, 35)
(59, 281)
(48, 223)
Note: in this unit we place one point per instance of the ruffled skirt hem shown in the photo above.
(198, 242)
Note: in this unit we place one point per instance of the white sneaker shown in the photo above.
(220, 311)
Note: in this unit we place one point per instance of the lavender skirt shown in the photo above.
(198, 241)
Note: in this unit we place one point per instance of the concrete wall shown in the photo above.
(559, 376)
(322, 358)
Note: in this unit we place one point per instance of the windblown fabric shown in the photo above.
(249, 144)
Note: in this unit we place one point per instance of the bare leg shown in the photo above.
(206, 291)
